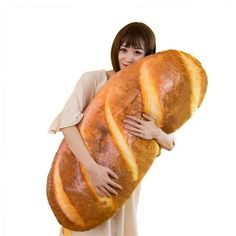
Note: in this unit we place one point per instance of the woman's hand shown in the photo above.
(102, 178)
(147, 129)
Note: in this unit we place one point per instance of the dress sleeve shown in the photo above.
(72, 112)
(173, 138)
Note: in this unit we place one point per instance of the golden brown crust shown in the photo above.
(168, 86)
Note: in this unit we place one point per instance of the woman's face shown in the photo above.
(128, 55)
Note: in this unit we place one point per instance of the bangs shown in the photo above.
(132, 40)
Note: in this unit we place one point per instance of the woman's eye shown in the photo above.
(123, 49)
(138, 52)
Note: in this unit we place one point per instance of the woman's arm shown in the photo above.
(164, 140)
(147, 129)
(102, 178)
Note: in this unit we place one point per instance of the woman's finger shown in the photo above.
(132, 129)
(147, 117)
(134, 118)
(137, 134)
(99, 192)
(114, 184)
(132, 123)
(106, 193)
(112, 174)
(111, 190)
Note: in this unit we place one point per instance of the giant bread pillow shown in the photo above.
(169, 86)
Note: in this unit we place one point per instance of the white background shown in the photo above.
(47, 45)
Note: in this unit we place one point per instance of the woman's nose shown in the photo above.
(130, 57)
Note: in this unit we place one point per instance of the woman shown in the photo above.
(133, 42)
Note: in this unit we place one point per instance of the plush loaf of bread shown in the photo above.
(169, 86)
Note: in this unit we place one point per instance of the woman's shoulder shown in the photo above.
(91, 76)
(110, 73)
(99, 74)
(94, 74)
(92, 79)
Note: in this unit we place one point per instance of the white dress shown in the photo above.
(124, 222)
